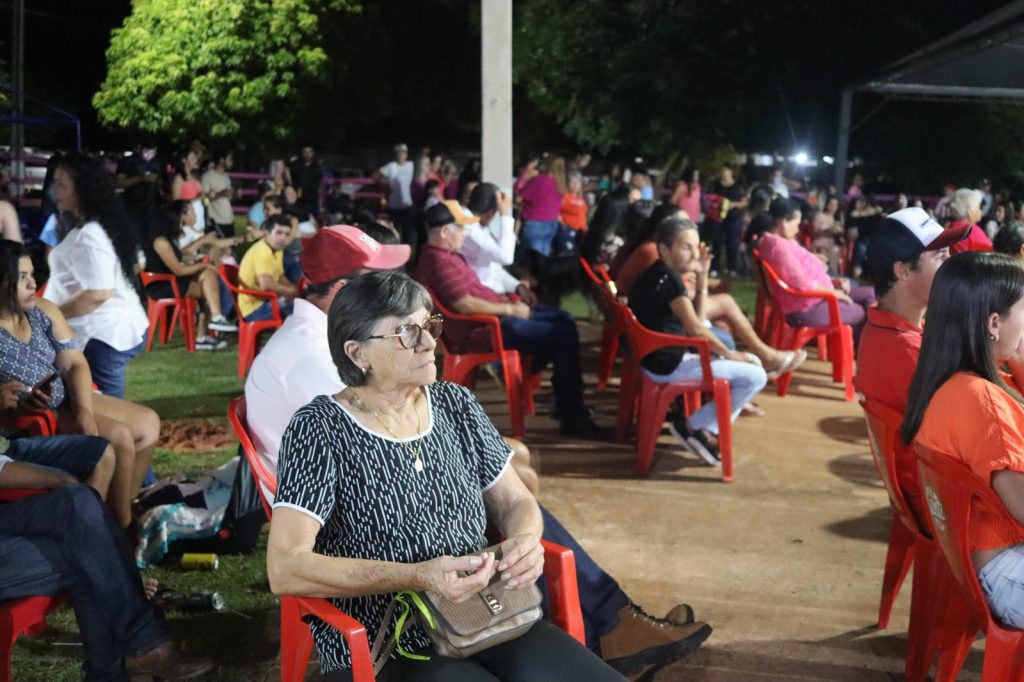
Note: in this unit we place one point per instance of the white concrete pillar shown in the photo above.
(496, 88)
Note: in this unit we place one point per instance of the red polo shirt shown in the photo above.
(887, 358)
(447, 274)
(886, 361)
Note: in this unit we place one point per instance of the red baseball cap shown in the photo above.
(341, 250)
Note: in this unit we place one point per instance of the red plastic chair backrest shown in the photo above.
(884, 435)
(150, 277)
(777, 286)
(260, 472)
(229, 273)
(492, 323)
(643, 341)
(951, 490)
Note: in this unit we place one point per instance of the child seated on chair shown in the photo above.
(661, 303)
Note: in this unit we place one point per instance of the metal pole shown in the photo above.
(843, 143)
(496, 90)
(18, 69)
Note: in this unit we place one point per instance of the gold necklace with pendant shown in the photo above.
(417, 464)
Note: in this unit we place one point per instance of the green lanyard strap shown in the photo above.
(410, 600)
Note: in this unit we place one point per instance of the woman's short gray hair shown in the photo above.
(669, 229)
(360, 304)
(963, 202)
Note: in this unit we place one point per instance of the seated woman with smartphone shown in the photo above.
(196, 279)
(38, 348)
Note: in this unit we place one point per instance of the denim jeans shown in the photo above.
(292, 268)
(1002, 582)
(539, 234)
(75, 455)
(745, 381)
(66, 541)
(600, 596)
(265, 312)
(107, 365)
(550, 335)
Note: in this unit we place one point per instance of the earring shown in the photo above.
(366, 370)
(992, 337)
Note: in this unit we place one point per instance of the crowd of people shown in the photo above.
(387, 478)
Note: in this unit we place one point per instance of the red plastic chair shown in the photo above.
(840, 336)
(24, 616)
(603, 287)
(179, 307)
(36, 424)
(934, 595)
(952, 490)
(650, 400)
(248, 332)
(460, 367)
(296, 640)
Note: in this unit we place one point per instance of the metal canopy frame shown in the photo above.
(982, 62)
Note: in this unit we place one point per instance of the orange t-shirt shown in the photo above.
(980, 424)
(574, 211)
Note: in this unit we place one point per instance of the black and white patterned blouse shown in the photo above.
(372, 504)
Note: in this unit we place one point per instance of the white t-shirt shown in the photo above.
(86, 260)
(220, 209)
(400, 176)
(294, 367)
(487, 253)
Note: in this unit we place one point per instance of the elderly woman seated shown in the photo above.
(387, 486)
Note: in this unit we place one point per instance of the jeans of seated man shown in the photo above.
(65, 541)
(600, 596)
(265, 312)
(550, 335)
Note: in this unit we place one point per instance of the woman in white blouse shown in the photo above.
(93, 276)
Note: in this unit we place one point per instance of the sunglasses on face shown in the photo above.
(409, 335)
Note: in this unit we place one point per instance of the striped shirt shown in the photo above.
(362, 488)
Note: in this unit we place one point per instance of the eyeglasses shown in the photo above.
(410, 335)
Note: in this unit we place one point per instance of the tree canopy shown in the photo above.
(213, 68)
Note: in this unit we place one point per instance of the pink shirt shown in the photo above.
(797, 267)
(541, 198)
(689, 200)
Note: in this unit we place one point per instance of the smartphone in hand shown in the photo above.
(46, 383)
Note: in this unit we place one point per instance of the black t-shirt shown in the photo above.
(650, 298)
(307, 179)
(759, 224)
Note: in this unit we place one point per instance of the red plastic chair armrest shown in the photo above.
(560, 570)
(151, 277)
(12, 494)
(351, 629)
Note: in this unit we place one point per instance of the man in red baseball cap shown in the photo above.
(297, 354)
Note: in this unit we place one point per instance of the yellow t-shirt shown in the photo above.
(260, 259)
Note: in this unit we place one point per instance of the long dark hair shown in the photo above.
(11, 253)
(968, 288)
(97, 200)
(169, 221)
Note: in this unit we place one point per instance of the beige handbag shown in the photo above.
(492, 616)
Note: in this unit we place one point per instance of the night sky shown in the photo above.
(65, 44)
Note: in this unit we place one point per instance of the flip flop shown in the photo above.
(791, 361)
(752, 410)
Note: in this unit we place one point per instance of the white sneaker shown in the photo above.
(222, 324)
(206, 343)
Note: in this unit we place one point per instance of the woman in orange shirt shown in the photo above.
(961, 403)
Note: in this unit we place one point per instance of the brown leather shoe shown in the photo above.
(166, 663)
(640, 639)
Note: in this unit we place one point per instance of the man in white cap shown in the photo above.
(905, 252)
